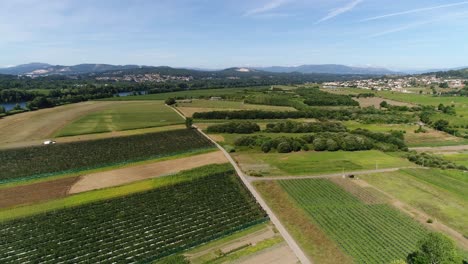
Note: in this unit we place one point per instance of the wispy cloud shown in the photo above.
(417, 10)
(420, 23)
(271, 5)
(341, 10)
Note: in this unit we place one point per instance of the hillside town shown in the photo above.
(399, 84)
(139, 78)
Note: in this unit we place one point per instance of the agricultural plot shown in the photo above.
(123, 116)
(430, 138)
(316, 163)
(138, 228)
(42, 124)
(188, 109)
(42, 161)
(458, 158)
(368, 232)
(438, 193)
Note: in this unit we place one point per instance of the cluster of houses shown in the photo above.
(397, 84)
(150, 77)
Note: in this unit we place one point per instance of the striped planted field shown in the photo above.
(137, 228)
(368, 231)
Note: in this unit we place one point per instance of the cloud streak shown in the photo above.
(419, 24)
(417, 10)
(341, 10)
(271, 5)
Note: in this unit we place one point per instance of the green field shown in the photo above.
(231, 105)
(440, 194)
(203, 93)
(316, 163)
(123, 116)
(140, 227)
(430, 138)
(458, 158)
(368, 232)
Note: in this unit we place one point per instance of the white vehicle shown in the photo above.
(49, 142)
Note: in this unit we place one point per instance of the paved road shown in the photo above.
(274, 219)
(275, 178)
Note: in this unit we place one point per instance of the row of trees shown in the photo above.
(239, 127)
(321, 142)
(433, 161)
(309, 127)
(365, 115)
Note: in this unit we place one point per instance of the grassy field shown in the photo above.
(370, 232)
(458, 158)
(123, 116)
(430, 138)
(316, 163)
(205, 93)
(188, 109)
(440, 194)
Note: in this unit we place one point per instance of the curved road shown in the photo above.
(274, 219)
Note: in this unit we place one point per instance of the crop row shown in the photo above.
(375, 233)
(41, 161)
(136, 228)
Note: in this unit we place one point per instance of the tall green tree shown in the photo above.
(435, 248)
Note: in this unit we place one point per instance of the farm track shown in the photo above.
(332, 175)
(441, 148)
(274, 219)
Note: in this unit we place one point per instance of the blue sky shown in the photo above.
(410, 34)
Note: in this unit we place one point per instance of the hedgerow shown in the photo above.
(39, 161)
(309, 127)
(234, 127)
(135, 229)
(434, 161)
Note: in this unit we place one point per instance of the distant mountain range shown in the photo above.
(44, 69)
(39, 69)
(329, 68)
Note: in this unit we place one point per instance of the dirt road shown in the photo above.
(441, 149)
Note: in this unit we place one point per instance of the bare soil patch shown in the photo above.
(42, 124)
(136, 173)
(375, 101)
(33, 193)
(280, 254)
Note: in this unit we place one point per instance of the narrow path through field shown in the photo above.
(441, 148)
(274, 219)
(341, 174)
(136, 173)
